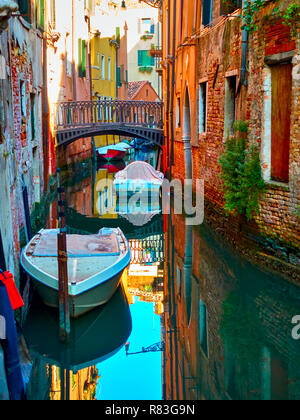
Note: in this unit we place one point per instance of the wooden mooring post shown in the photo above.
(64, 305)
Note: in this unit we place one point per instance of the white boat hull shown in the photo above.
(92, 280)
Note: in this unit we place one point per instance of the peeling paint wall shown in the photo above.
(21, 155)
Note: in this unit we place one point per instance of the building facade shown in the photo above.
(22, 143)
(215, 74)
(144, 34)
(68, 65)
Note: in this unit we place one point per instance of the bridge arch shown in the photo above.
(137, 119)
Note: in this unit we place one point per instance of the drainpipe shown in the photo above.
(244, 51)
(173, 88)
(168, 91)
(45, 118)
(73, 52)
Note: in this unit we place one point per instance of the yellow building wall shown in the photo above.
(103, 84)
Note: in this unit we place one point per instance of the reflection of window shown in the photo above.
(178, 279)
(144, 59)
(203, 328)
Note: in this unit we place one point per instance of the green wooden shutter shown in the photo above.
(24, 9)
(140, 58)
(80, 57)
(42, 13)
(83, 59)
(119, 77)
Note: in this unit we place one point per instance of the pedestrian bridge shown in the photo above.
(136, 119)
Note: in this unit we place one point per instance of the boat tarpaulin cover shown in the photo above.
(140, 171)
(14, 377)
(104, 244)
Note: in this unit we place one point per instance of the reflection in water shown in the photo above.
(94, 364)
(228, 325)
(95, 337)
(225, 323)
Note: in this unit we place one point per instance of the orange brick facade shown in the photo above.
(211, 56)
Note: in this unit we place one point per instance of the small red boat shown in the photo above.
(113, 152)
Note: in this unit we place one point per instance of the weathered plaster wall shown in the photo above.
(21, 131)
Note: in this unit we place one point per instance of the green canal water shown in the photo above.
(224, 325)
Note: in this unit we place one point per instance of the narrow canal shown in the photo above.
(223, 325)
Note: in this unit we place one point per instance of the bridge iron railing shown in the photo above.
(70, 115)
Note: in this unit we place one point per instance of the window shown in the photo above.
(103, 67)
(230, 106)
(23, 98)
(69, 55)
(229, 7)
(147, 26)
(144, 59)
(281, 121)
(2, 67)
(203, 328)
(25, 9)
(178, 113)
(202, 108)
(109, 68)
(53, 13)
(81, 58)
(41, 13)
(32, 115)
(207, 12)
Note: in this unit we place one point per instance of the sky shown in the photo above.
(137, 377)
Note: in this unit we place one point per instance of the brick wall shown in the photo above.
(218, 55)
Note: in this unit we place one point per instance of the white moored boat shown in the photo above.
(95, 267)
(139, 176)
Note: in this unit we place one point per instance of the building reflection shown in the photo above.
(227, 324)
(53, 377)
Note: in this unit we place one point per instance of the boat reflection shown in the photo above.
(227, 324)
(95, 338)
